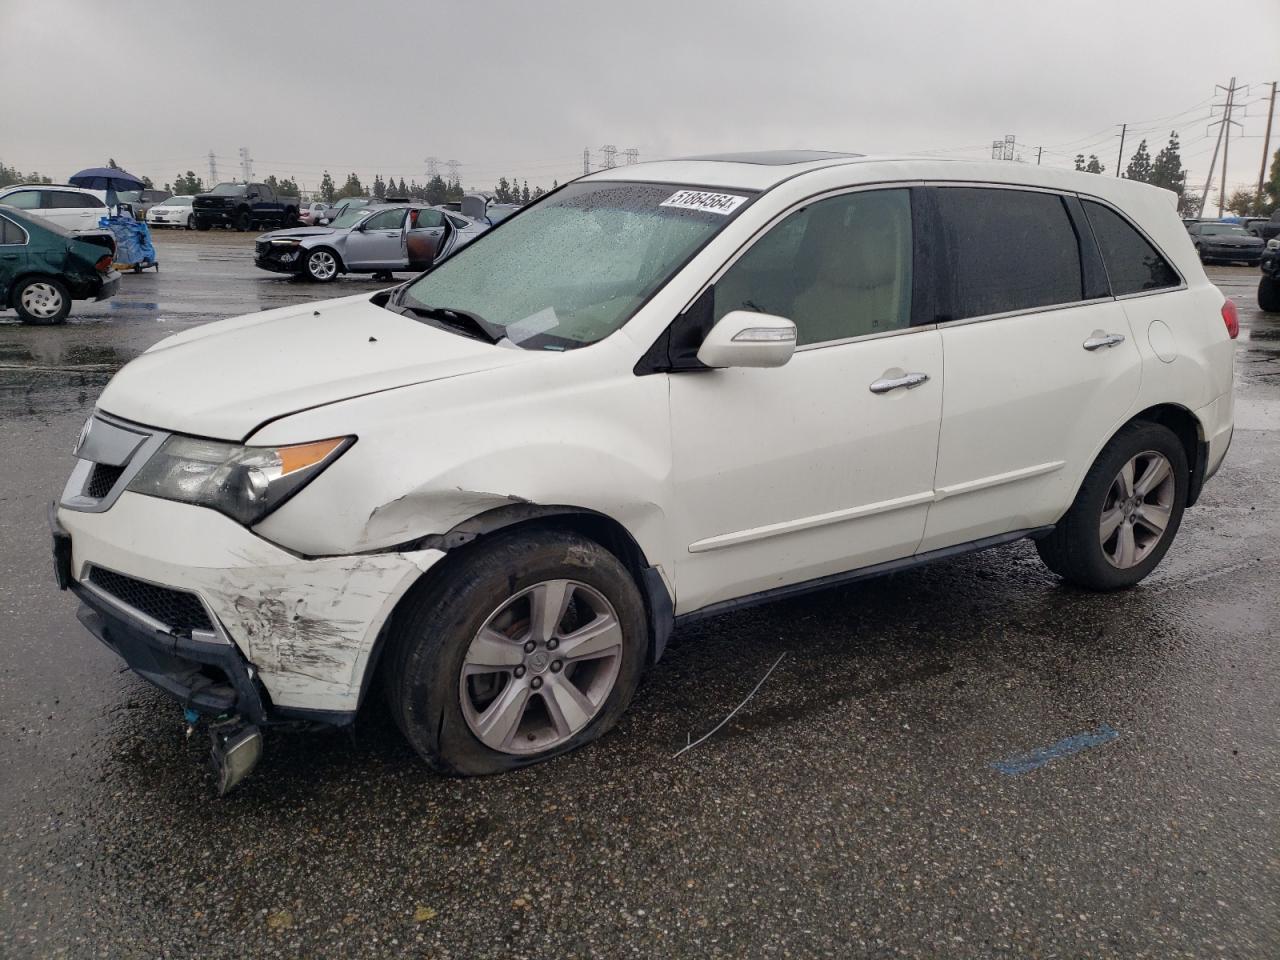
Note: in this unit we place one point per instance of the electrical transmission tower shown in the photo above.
(246, 164)
(1224, 141)
(433, 167)
(610, 155)
(213, 169)
(632, 155)
(586, 160)
(1006, 149)
(454, 176)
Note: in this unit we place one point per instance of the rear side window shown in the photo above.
(66, 200)
(1008, 250)
(1133, 264)
(11, 233)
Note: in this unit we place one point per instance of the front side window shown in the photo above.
(574, 267)
(22, 200)
(1008, 250)
(385, 220)
(1133, 264)
(838, 268)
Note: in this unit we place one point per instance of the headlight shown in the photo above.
(245, 483)
(1273, 243)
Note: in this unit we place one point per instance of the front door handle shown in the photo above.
(1108, 340)
(907, 381)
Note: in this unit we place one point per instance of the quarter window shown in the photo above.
(838, 268)
(1133, 264)
(1008, 250)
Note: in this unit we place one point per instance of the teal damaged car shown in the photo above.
(44, 267)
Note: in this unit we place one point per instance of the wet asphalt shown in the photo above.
(852, 808)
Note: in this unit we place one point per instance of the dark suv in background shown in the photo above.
(245, 206)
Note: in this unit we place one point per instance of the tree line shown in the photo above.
(1165, 170)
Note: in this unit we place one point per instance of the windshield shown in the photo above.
(228, 190)
(1224, 229)
(349, 217)
(574, 267)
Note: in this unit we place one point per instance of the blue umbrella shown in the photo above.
(106, 178)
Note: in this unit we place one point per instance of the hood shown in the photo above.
(297, 233)
(226, 378)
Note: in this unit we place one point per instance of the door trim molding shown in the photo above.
(997, 479)
(808, 523)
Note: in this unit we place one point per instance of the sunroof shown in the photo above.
(774, 158)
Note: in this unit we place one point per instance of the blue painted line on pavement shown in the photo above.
(1026, 762)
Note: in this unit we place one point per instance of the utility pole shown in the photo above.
(586, 160)
(213, 169)
(1124, 127)
(1266, 141)
(1226, 146)
(1039, 150)
(1213, 163)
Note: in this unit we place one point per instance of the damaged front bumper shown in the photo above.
(224, 621)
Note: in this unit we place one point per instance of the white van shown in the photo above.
(72, 208)
(661, 392)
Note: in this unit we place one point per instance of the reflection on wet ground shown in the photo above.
(851, 809)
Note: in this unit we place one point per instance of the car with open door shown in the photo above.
(660, 393)
(380, 240)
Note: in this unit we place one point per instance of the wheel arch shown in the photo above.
(462, 538)
(1186, 426)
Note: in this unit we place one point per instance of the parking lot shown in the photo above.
(968, 759)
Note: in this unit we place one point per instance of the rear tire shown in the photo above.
(1269, 294)
(1108, 539)
(42, 301)
(486, 609)
(191, 221)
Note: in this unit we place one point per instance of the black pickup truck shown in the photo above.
(245, 206)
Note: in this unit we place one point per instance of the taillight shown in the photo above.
(1231, 317)
(104, 266)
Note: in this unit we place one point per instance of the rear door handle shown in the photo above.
(906, 381)
(1110, 340)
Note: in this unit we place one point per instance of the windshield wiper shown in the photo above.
(468, 324)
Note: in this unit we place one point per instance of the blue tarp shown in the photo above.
(133, 240)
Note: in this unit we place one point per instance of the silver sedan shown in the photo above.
(375, 239)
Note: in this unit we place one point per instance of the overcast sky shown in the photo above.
(520, 88)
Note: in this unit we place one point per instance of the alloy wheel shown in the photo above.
(42, 300)
(1137, 509)
(322, 265)
(541, 667)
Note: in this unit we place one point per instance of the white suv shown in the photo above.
(661, 392)
(72, 208)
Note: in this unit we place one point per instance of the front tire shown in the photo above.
(42, 301)
(322, 266)
(1269, 294)
(1126, 514)
(203, 225)
(530, 646)
(243, 221)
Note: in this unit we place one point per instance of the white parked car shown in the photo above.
(311, 213)
(72, 208)
(173, 212)
(662, 392)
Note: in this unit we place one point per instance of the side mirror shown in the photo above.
(743, 338)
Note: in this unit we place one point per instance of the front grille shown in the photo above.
(102, 479)
(177, 609)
